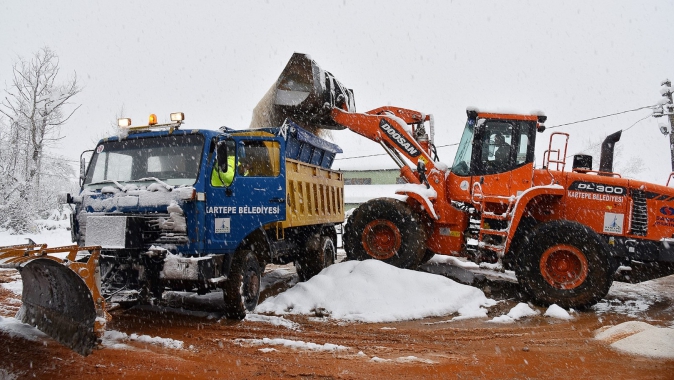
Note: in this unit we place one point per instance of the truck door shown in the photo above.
(250, 196)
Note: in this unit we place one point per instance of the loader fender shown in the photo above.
(422, 195)
(525, 199)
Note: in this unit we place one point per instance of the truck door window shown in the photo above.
(259, 158)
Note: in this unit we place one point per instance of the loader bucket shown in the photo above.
(58, 302)
(61, 297)
(304, 93)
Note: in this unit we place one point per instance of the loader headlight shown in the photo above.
(124, 123)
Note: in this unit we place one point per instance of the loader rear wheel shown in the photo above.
(388, 230)
(241, 290)
(312, 262)
(564, 264)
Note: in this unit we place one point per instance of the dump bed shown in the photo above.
(315, 195)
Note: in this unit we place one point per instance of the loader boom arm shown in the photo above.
(389, 126)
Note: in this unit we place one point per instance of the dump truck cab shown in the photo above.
(189, 209)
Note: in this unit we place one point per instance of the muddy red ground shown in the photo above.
(534, 348)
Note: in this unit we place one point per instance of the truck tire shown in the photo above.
(388, 230)
(313, 261)
(241, 290)
(566, 264)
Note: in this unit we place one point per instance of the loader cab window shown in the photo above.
(462, 160)
(501, 145)
(496, 147)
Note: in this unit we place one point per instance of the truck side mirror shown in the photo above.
(83, 170)
(221, 156)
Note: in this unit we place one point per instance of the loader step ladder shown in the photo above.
(495, 223)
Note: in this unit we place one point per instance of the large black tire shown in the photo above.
(566, 264)
(388, 230)
(313, 261)
(241, 290)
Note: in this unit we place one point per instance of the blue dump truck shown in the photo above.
(165, 208)
(200, 210)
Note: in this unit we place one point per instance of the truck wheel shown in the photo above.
(564, 264)
(312, 261)
(388, 230)
(241, 290)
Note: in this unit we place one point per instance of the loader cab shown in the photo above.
(494, 144)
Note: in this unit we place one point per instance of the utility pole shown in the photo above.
(667, 108)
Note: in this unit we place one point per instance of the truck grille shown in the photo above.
(151, 230)
(639, 221)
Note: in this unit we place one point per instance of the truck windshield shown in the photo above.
(174, 160)
(463, 153)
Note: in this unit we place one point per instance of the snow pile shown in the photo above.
(276, 321)
(112, 337)
(639, 338)
(454, 261)
(372, 291)
(15, 328)
(404, 359)
(521, 310)
(555, 311)
(295, 344)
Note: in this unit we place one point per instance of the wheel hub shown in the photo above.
(564, 266)
(381, 239)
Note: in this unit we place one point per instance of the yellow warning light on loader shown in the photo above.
(124, 123)
(177, 116)
(153, 119)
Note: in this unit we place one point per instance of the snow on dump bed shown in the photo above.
(372, 291)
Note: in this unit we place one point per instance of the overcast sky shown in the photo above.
(214, 60)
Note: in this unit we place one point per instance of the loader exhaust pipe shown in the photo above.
(607, 147)
(306, 94)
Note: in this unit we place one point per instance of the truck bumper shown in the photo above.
(200, 270)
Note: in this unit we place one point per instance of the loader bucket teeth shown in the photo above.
(304, 93)
(58, 302)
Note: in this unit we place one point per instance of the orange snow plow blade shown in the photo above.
(61, 296)
(304, 93)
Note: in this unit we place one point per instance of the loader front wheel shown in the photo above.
(565, 264)
(388, 230)
(241, 290)
(313, 261)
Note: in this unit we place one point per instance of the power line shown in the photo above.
(624, 130)
(384, 154)
(601, 117)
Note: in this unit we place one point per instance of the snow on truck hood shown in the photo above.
(111, 198)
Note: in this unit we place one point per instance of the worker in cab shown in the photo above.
(502, 154)
(220, 178)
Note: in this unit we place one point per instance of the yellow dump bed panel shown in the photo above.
(315, 195)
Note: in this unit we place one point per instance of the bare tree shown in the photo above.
(33, 110)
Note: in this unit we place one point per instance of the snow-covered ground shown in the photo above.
(371, 291)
